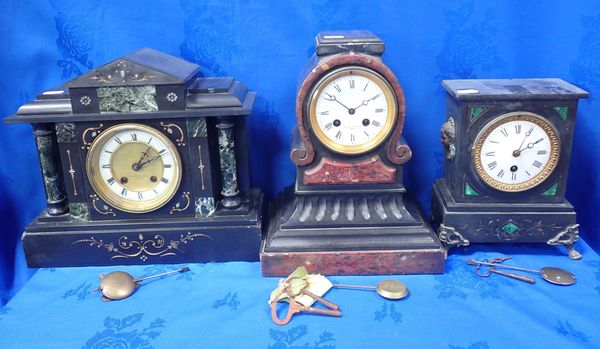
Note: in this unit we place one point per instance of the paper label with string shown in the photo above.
(317, 284)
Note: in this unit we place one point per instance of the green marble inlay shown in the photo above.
(197, 128)
(50, 168)
(562, 111)
(127, 99)
(469, 191)
(510, 228)
(65, 132)
(228, 164)
(477, 111)
(79, 211)
(205, 206)
(551, 191)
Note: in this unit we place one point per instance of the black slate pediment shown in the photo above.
(143, 67)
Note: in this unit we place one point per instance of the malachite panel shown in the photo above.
(551, 191)
(469, 191)
(476, 112)
(510, 228)
(562, 111)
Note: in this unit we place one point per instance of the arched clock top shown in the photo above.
(302, 153)
(348, 202)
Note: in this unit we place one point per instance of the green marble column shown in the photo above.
(231, 195)
(47, 147)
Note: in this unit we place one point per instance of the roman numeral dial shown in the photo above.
(516, 151)
(352, 110)
(134, 168)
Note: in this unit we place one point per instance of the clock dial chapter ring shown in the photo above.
(134, 168)
(511, 132)
(350, 94)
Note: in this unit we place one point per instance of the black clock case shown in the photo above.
(464, 208)
(199, 224)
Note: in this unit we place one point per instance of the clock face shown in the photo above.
(134, 168)
(516, 151)
(352, 110)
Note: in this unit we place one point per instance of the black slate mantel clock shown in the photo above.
(348, 212)
(508, 145)
(143, 162)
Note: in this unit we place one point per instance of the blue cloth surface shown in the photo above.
(225, 306)
(265, 44)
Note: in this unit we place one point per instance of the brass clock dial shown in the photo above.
(134, 168)
(516, 151)
(352, 110)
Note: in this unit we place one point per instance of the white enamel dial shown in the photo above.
(352, 110)
(134, 167)
(516, 152)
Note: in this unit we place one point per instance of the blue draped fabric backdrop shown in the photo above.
(266, 44)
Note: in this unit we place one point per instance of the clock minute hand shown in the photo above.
(149, 161)
(334, 99)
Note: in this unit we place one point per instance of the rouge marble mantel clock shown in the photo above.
(347, 212)
(508, 145)
(143, 162)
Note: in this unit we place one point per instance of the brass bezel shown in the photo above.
(101, 188)
(540, 177)
(387, 127)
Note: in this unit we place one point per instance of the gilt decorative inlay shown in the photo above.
(121, 72)
(180, 207)
(88, 135)
(72, 172)
(142, 247)
(201, 166)
(101, 207)
(169, 127)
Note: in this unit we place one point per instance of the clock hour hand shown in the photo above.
(519, 150)
(366, 101)
(531, 144)
(138, 165)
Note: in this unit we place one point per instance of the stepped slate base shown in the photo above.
(349, 234)
(51, 241)
(461, 224)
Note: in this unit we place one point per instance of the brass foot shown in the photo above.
(573, 254)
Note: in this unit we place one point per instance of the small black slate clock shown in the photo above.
(508, 145)
(143, 162)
